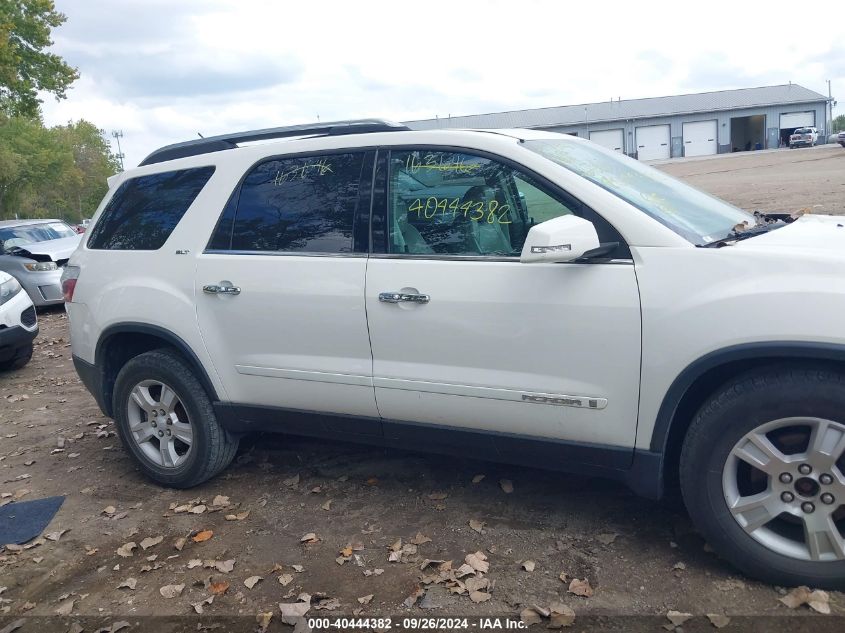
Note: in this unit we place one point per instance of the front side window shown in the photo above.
(144, 211)
(303, 204)
(454, 203)
(693, 214)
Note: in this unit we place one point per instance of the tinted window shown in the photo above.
(303, 204)
(144, 211)
(461, 204)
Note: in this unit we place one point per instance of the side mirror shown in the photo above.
(562, 239)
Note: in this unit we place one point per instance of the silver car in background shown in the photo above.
(35, 252)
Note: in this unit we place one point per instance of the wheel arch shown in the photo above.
(121, 342)
(703, 376)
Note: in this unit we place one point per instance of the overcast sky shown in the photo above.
(163, 70)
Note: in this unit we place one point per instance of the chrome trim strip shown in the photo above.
(299, 374)
(489, 258)
(491, 393)
(282, 254)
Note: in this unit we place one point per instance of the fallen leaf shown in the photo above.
(240, 516)
(250, 582)
(817, 600)
(718, 620)
(530, 615)
(171, 591)
(327, 505)
(438, 495)
(310, 538)
(679, 566)
(199, 606)
(528, 565)
(285, 579)
(677, 618)
(263, 620)
(194, 562)
(581, 588)
(223, 566)
(478, 562)
(54, 536)
(202, 536)
(327, 604)
(109, 510)
(29, 606)
(150, 541)
(479, 596)
(365, 599)
(298, 568)
(415, 595)
(507, 485)
(129, 583)
(291, 481)
(372, 481)
(220, 500)
(560, 615)
(218, 588)
(66, 607)
(477, 479)
(198, 509)
(420, 538)
(476, 525)
(606, 539)
(291, 612)
(125, 550)
(179, 543)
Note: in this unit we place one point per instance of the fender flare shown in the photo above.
(775, 350)
(159, 332)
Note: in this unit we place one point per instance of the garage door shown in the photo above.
(653, 142)
(700, 138)
(611, 139)
(797, 119)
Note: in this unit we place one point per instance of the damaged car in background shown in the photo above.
(34, 252)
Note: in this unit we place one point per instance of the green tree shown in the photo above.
(25, 66)
(839, 123)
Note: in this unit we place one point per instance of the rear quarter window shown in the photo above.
(144, 211)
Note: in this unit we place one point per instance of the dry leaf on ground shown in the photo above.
(477, 525)
(817, 600)
(250, 582)
(415, 595)
(310, 538)
(365, 599)
(220, 500)
(54, 536)
(202, 536)
(240, 516)
(606, 539)
(198, 509)
(581, 587)
(129, 583)
(438, 495)
(285, 579)
(291, 481)
(479, 596)
(477, 479)
(150, 541)
(530, 615)
(420, 539)
(677, 618)
(263, 620)
(218, 588)
(66, 607)
(560, 615)
(171, 591)
(179, 543)
(528, 565)
(291, 612)
(718, 620)
(198, 606)
(125, 550)
(507, 485)
(478, 562)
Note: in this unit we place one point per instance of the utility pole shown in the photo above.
(118, 134)
(830, 109)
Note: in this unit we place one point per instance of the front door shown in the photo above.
(465, 336)
(280, 290)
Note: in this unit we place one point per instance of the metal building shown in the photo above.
(665, 127)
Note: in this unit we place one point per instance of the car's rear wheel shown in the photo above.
(165, 419)
(22, 356)
(763, 475)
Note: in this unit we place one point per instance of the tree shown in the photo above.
(25, 67)
(839, 123)
(52, 172)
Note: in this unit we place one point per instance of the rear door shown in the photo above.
(465, 336)
(280, 288)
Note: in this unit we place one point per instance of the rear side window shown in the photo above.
(144, 211)
(304, 204)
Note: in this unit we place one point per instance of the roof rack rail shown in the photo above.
(230, 141)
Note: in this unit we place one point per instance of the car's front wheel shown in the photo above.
(165, 420)
(763, 475)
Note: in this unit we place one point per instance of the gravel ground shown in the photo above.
(639, 558)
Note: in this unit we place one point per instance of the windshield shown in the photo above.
(695, 215)
(20, 236)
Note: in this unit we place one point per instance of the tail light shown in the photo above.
(70, 276)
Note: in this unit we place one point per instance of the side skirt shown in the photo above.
(640, 470)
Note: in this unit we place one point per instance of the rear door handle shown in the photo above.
(223, 288)
(402, 297)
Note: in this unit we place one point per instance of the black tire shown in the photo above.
(22, 356)
(736, 409)
(213, 448)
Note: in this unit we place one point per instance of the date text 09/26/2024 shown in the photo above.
(411, 624)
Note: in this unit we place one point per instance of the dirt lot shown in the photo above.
(640, 558)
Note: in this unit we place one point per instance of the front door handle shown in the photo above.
(402, 297)
(223, 288)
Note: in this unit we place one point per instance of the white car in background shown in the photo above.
(18, 324)
(803, 137)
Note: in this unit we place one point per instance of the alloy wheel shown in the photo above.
(159, 424)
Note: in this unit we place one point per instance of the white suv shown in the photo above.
(514, 295)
